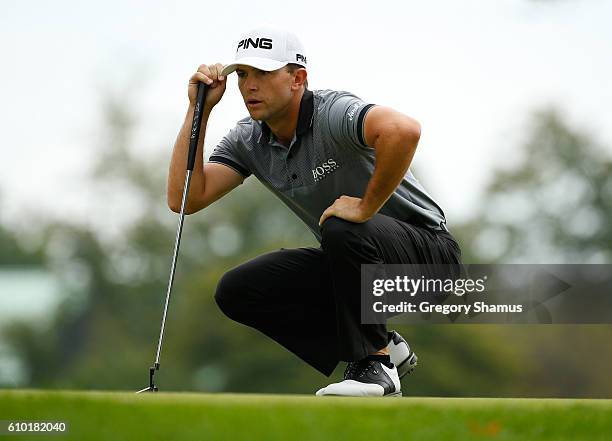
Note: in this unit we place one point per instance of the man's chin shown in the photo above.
(260, 116)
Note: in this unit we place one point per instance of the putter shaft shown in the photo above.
(177, 242)
(193, 146)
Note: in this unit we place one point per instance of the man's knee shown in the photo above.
(228, 295)
(336, 232)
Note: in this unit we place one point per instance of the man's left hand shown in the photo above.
(347, 208)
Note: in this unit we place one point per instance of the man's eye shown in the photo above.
(240, 74)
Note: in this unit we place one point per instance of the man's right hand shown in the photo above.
(210, 75)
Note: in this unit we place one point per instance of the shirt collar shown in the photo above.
(304, 117)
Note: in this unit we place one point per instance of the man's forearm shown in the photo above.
(394, 153)
(178, 162)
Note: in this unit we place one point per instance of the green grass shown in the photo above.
(115, 416)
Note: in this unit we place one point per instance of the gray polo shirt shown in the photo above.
(327, 158)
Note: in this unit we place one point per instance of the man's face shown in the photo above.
(266, 94)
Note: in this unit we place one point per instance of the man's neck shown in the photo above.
(284, 127)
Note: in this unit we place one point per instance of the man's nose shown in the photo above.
(250, 83)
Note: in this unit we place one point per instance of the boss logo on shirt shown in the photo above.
(324, 169)
(261, 43)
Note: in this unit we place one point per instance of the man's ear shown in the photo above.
(300, 78)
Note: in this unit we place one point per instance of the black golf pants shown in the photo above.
(308, 299)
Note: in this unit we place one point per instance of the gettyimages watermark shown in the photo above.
(492, 294)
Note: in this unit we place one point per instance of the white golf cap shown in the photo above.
(267, 49)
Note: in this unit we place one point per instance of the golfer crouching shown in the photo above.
(343, 166)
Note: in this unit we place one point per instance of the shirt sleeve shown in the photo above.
(227, 152)
(346, 117)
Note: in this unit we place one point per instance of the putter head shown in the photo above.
(152, 387)
(148, 389)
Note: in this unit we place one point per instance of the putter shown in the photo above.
(193, 145)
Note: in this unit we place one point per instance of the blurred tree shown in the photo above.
(15, 258)
(12, 254)
(552, 204)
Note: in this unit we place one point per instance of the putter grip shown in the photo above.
(195, 126)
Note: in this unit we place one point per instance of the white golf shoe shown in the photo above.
(366, 378)
(401, 354)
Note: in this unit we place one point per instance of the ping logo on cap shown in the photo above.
(300, 57)
(260, 43)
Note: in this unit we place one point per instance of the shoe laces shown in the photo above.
(357, 369)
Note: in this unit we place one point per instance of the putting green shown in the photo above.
(115, 416)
